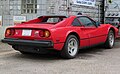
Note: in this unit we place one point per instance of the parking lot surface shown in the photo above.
(89, 61)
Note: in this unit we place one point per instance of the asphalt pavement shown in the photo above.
(96, 60)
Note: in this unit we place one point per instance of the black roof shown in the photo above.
(53, 16)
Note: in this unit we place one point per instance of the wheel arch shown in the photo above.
(74, 33)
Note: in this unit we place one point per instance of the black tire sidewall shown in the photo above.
(64, 52)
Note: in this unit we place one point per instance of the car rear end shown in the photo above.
(35, 35)
(23, 39)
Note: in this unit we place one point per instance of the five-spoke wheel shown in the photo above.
(71, 47)
(110, 40)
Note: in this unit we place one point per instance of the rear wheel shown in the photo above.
(70, 48)
(110, 40)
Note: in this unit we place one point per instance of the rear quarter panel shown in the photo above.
(59, 35)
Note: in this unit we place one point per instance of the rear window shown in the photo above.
(52, 19)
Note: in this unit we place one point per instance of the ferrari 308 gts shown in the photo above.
(61, 33)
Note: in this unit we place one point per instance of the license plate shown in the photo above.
(26, 32)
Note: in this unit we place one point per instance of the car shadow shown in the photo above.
(90, 52)
(47, 56)
(98, 50)
(82, 54)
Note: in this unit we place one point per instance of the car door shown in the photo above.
(91, 30)
(83, 36)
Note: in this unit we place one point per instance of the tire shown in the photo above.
(70, 48)
(110, 40)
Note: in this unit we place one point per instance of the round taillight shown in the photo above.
(9, 32)
(47, 34)
(44, 33)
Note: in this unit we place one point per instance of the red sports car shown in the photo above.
(65, 34)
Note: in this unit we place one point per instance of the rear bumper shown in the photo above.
(35, 43)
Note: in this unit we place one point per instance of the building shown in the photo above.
(30, 9)
(112, 12)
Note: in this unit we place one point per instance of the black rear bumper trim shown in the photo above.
(37, 43)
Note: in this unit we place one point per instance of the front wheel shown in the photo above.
(110, 40)
(70, 48)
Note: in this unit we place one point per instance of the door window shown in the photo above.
(86, 21)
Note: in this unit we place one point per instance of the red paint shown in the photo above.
(59, 32)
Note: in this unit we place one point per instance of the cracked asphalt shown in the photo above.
(95, 60)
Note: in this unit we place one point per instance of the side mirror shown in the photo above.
(97, 24)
